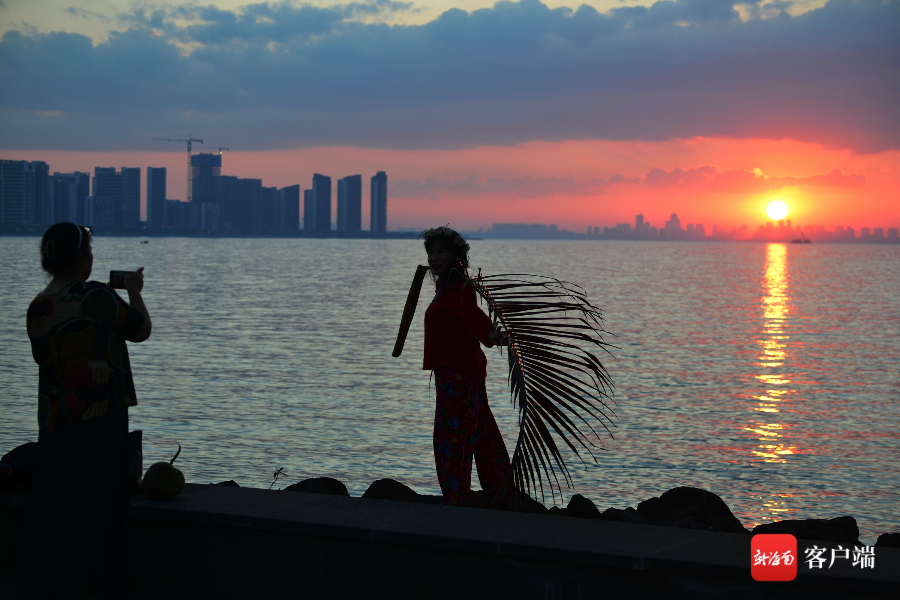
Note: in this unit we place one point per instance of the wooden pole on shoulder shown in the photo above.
(410, 309)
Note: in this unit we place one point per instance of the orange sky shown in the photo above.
(725, 182)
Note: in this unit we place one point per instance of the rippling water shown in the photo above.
(767, 374)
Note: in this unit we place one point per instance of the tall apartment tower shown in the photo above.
(68, 197)
(205, 168)
(379, 204)
(24, 192)
(288, 211)
(321, 193)
(309, 225)
(349, 204)
(156, 197)
(117, 197)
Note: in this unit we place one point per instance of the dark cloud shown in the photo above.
(524, 187)
(276, 75)
(744, 181)
(703, 177)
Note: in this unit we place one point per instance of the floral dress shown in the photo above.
(78, 338)
(464, 426)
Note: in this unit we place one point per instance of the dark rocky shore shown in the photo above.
(683, 507)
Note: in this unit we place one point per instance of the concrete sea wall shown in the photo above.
(228, 542)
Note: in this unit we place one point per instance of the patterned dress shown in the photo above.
(75, 541)
(78, 341)
(464, 427)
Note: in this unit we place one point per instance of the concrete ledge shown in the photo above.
(228, 542)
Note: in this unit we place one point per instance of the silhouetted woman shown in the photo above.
(75, 536)
(454, 327)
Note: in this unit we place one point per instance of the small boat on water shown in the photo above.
(145, 241)
(803, 239)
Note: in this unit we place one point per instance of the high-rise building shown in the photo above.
(289, 208)
(673, 227)
(205, 168)
(349, 204)
(68, 197)
(246, 208)
(378, 217)
(156, 197)
(309, 224)
(267, 212)
(321, 193)
(24, 192)
(117, 197)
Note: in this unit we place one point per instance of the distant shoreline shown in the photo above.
(6, 231)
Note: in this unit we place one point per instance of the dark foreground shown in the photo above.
(227, 542)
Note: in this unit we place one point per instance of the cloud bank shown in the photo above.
(279, 75)
(704, 178)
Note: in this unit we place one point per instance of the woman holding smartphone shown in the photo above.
(76, 531)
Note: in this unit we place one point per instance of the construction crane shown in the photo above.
(220, 148)
(189, 140)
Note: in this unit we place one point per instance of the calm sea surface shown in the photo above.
(768, 374)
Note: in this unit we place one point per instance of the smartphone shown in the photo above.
(117, 279)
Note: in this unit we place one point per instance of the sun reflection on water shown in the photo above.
(773, 344)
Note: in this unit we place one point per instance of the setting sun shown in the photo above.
(777, 210)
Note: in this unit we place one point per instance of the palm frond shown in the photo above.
(556, 380)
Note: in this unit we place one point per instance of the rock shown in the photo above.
(388, 489)
(582, 507)
(690, 508)
(479, 499)
(628, 515)
(555, 511)
(888, 540)
(229, 483)
(15, 475)
(841, 530)
(320, 485)
(427, 499)
(522, 502)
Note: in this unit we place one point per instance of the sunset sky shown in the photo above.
(480, 112)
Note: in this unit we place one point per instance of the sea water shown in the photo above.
(767, 374)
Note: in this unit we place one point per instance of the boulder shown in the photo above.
(388, 489)
(17, 468)
(888, 540)
(690, 508)
(582, 507)
(555, 511)
(522, 502)
(319, 485)
(229, 483)
(840, 530)
(627, 515)
(479, 499)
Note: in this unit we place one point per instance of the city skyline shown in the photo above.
(111, 200)
(562, 112)
(277, 170)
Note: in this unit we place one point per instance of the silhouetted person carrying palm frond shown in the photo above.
(558, 384)
(454, 327)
